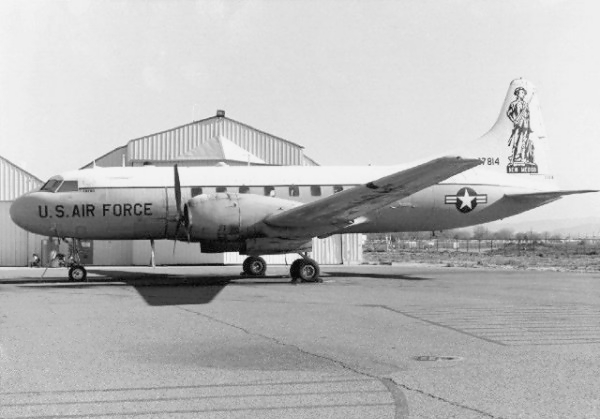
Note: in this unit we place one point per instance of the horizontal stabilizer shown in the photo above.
(342, 208)
(544, 197)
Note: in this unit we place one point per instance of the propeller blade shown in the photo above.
(177, 192)
(182, 215)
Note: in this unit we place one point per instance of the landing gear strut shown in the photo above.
(254, 266)
(77, 272)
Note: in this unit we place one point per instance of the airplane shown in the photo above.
(260, 210)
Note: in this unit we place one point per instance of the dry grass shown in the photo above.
(538, 257)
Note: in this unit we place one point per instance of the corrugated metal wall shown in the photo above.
(185, 254)
(233, 258)
(339, 249)
(14, 181)
(168, 145)
(335, 250)
(113, 252)
(16, 245)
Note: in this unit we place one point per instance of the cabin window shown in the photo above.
(315, 190)
(196, 190)
(269, 191)
(337, 188)
(244, 189)
(51, 186)
(294, 190)
(221, 189)
(69, 186)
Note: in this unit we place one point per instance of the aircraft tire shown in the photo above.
(295, 269)
(254, 266)
(308, 270)
(77, 273)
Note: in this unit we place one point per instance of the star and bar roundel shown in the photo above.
(466, 199)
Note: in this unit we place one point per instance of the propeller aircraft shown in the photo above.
(260, 210)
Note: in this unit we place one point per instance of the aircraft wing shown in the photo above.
(342, 208)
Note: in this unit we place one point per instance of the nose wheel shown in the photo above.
(77, 273)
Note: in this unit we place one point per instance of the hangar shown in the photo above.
(217, 140)
(16, 244)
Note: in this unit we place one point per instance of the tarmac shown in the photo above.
(369, 342)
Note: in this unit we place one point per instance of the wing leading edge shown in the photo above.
(341, 209)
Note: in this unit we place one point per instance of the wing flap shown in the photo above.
(342, 208)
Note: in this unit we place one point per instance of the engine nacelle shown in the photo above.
(231, 216)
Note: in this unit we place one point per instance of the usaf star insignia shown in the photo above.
(466, 200)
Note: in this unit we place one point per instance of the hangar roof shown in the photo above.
(222, 149)
(15, 181)
(187, 142)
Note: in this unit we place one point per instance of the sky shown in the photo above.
(354, 82)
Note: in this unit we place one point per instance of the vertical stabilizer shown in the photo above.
(517, 142)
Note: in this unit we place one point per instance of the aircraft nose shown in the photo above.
(22, 212)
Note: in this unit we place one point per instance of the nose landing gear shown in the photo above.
(77, 273)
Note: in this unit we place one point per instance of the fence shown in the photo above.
(559, 246)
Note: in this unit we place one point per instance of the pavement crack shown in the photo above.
(398, 397)
(441, 399)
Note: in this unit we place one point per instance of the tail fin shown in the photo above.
(517, 142)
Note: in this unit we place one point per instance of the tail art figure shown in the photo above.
(522, 159)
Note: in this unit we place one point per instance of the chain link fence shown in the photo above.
(495, 246)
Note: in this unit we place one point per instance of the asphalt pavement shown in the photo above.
(369, 342)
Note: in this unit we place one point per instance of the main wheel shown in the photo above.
(308, 270)
(77, 273)
(254, 266)
(295, 269)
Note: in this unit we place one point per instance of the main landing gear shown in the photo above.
(301, 270)
(254, 266)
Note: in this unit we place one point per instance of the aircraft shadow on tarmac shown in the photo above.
(161, 289)
(157, 289)
(345, 274)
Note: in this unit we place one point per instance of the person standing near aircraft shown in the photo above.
(518, 113)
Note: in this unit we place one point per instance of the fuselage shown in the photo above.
(140, 203)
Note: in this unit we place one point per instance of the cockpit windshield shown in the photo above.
(52, 185)
(69, 186)
(58, 185)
